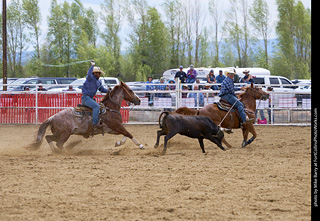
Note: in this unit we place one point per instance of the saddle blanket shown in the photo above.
(81, 110)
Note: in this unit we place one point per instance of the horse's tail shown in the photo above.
(164, 112)
(187, 111)
(40, 134)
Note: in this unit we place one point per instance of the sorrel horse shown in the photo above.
(65, 123)
(218, 116)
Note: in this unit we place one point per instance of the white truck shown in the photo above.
(203, 72)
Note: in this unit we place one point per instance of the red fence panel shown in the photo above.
(30, 108)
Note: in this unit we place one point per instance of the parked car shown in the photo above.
(78, 84)
(282, 84)
(9, 81)
(45, 81)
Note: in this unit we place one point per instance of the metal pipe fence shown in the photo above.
(33, 107)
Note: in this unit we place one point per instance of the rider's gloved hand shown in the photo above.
(92, 63)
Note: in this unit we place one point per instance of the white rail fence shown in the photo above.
(292, 107)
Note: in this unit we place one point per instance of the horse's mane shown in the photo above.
(110, 93)
(245, 89)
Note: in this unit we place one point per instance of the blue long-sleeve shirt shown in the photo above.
(92, 85)
(149, 87)
(227, 87)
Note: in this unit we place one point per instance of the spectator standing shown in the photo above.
(236, 77)
(150, 96)
(181, 75)
(269, 110)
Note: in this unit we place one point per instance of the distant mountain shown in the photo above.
(272, 44)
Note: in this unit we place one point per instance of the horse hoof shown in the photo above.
(244, 143)
(141, 146)
(118, 143)
(156, 146)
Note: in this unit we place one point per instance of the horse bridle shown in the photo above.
(131, 97)
(261, 97)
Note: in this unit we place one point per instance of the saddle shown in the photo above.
(225, 106)
(80, 110)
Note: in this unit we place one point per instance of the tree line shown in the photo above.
(156, 41)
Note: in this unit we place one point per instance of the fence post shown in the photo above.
(177, 92)
(37, 104)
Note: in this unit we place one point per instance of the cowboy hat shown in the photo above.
(246, 71)
(230, 71)
(97, 70)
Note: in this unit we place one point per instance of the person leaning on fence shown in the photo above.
(196, 95)
(162, 87)
(89, 90)
(172, 85)
(227, 93)
(70, 88)
(41, 88)
(247, 77)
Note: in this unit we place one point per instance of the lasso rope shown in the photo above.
(64, 65)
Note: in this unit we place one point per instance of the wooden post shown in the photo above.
(4, 42)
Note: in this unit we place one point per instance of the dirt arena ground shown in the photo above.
(268, 180)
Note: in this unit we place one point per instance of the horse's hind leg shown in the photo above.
(62, 139)
(50, 139)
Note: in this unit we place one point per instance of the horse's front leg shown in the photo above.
(122, 130)
(246, 130)
(123, 141)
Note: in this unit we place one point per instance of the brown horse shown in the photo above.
(65, 123)
(218, 116)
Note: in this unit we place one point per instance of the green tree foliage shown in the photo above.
(158, 39)
(294, 31)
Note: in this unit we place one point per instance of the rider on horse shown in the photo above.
(227, 93)
(89, 90)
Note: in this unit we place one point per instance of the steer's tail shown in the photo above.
(164, 112)
(40, 135)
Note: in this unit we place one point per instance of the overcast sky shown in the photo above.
(95, 5)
